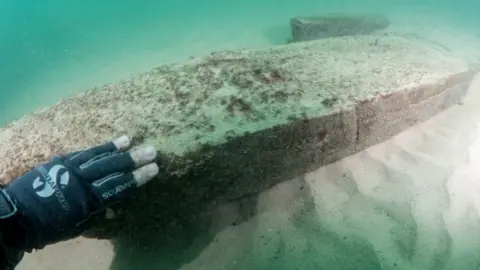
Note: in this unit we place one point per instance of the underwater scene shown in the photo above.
(291, 135)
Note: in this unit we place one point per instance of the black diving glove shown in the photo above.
(61, 199)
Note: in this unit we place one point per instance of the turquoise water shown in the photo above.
(53, 49)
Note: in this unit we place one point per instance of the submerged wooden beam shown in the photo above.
(232, 124)
(335, 25)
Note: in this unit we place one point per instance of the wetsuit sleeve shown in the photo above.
(9, 257)
(10, 234)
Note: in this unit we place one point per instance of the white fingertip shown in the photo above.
(144, 156)
(149, 153)
(146, 173)
(122, 142)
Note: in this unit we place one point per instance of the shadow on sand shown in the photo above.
(183, 241)
(278, 35)
(177, 245)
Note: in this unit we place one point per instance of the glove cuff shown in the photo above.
(10, 253)
(7, 207)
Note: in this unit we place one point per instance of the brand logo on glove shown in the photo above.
(51, 182)
(118, 189)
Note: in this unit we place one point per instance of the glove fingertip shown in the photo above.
(122, 142)
(145, 173)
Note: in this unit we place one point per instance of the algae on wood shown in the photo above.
(336, 25)
(234, 123)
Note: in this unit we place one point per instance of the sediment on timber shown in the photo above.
(232, 124)
(335, 25)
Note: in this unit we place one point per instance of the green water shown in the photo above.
(51, 49)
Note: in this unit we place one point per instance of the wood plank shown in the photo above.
(232, 124)
(336, 25)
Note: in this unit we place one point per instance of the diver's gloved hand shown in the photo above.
(59, 200)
